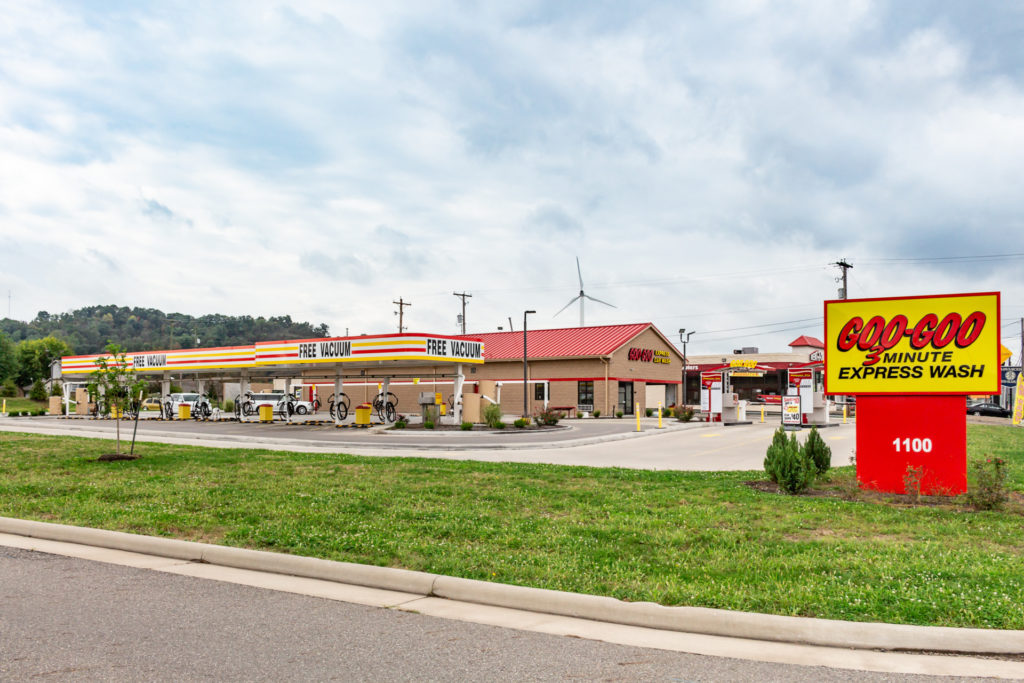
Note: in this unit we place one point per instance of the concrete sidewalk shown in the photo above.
(812, 642)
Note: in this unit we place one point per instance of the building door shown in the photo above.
(626, 397)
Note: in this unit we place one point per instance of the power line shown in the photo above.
(752, 327)
(979, 257)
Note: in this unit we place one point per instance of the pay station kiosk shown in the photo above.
(717, 399)
(807, 382)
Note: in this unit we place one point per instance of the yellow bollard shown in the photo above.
(4, 409)
(762, 414)
(659, 415)
(844, 414)
(636, 409)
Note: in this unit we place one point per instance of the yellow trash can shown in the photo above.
(363, 412)
(184, 411)
(444, 407)
(266, 413)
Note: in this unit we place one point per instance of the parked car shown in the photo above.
(151, 403)
(989, 409)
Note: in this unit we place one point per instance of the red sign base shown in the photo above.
(903, 439)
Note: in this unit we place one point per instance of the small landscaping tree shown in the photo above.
(9, 389)
(788, 464)
(38, 392)
(818, 452)
(118, 387)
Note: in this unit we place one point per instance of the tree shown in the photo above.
(35, 356)
(8, 358)
(117, 387)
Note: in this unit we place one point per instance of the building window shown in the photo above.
(538, 392)
(585, 393)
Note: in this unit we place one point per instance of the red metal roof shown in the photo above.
(571, 341)
(804, 340)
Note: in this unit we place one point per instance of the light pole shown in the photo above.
(684, 339)
(525, 409)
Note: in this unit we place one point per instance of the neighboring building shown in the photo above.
(803, 350)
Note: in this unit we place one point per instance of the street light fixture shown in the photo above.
(684, 339)
(525, 408)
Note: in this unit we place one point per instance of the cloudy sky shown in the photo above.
(706, 162)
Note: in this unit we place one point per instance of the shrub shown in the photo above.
(597, 413)
(788, 464)
(492, 415)
(548, 417)
(429, 414)
(519, 423)
(466, 426)
(499, 425)
(684, 414)
(989, 492)
(428, 424)
(818, 451)
(56, 389)
(9, 389)
(38, 392)
(229, 405)
(912, 481)
(618, 413)
(649, 412)
(778, 445)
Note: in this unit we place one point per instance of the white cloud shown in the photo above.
(321, 160)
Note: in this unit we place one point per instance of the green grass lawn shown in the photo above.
(17, 404)
(676, 538)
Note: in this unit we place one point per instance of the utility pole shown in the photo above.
(843, 293)
(526, 410)
(463, 296)
(685, 339)
(401, 313)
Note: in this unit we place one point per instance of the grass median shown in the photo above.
(676, 538)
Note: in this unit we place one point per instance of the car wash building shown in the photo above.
(608, 368)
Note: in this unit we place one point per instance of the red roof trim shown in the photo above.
(804, 340)
(567, 342)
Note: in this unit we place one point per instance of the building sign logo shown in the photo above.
(649, 356)
(918, 345)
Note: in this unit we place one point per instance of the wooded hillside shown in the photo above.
(88, 330)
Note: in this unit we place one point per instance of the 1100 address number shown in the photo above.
(908, 445)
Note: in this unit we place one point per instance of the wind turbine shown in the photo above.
(581, 296)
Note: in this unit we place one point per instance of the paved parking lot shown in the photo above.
(597, 443)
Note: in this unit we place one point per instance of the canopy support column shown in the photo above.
(460, 380)
(339, 385)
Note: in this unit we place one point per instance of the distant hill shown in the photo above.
(88, 330)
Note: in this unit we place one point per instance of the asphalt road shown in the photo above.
(68, 619)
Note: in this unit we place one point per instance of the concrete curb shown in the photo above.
(765, 627)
